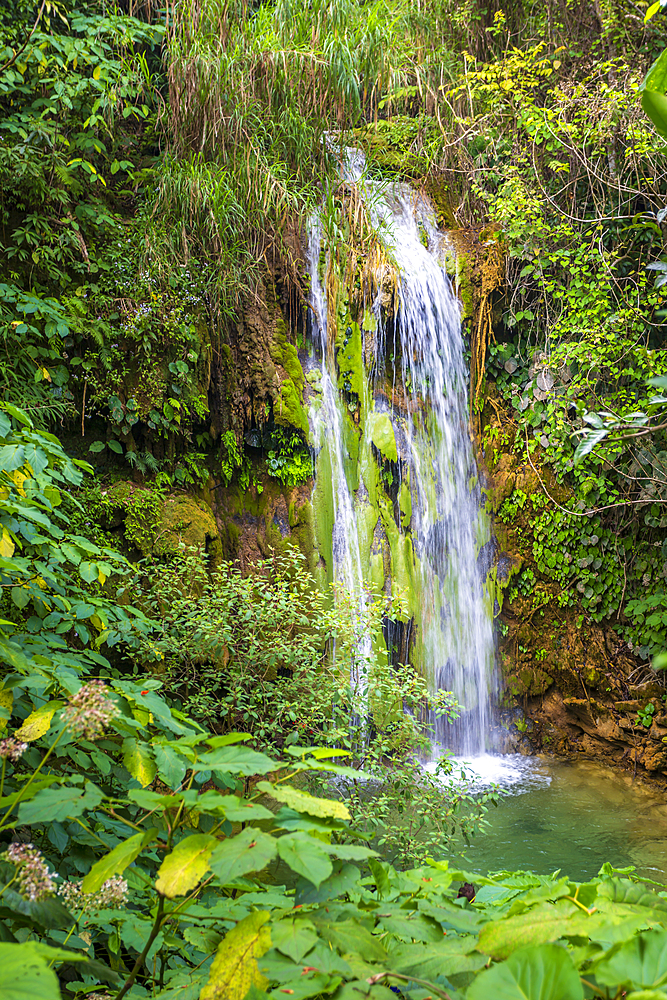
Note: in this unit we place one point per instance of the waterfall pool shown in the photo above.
(572, 816)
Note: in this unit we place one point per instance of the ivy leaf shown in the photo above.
(250, 851)
(117, 860)
(234, 970)
(185, 867)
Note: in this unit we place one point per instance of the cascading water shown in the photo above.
(455, 631)
(327, 434)
(421, 344)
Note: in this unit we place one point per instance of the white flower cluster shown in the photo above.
(111, 896)
(11, 749)
(89, 710)
(34, 881)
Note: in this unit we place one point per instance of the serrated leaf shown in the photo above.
(59, 804)
(546, 922)
(234, 970)
(544, 972)
(171, 765)
(250, 851)
(236, 760)
(302, 802)
(139, 761)
(305, 856)
(640, 962)
(185, 867)
(294, 937)
(117, 860)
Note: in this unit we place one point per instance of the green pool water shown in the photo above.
(569, 816)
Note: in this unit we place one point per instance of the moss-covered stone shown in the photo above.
(288, 407)
(162, 525)
(380, 429)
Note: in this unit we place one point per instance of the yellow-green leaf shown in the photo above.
(6, 702)
(96, 73)
(138, 759)
(38, 722)
(234, 969)
(653, 9)
(300, 801)
(6, 545)
(185, 867)
(117, 860)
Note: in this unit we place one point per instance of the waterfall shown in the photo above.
(418, 395)
(327, 431)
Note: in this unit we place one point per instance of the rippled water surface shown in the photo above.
(572, 816)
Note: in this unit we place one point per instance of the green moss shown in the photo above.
(288, 407)
(458, 266)
(381, 432)
(352, 378)
(405, 503)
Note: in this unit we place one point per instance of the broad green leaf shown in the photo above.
(351, 937)
(228, 739)
(652, 10)
(26, 974)
(185, 867)
(59, 803)
(250, 851)
(544, 972)
(655, 106)
(640, 962)
(306, 856)
(6, 703)
(6, 544)
(12, 457)
(656, 78)
(117, 860)
(234, 970)
(138, 759)
(171, 765)
(302, 802)
(236, 760)
(293, 937)
(448, 957)
(543, 923)
(231, 807)
(38, 722)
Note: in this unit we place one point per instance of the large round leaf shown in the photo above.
(26, 975)
(640, 962)
(541, 972)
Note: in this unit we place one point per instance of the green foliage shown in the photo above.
(288, 459)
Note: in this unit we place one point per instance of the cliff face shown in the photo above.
(571, 686)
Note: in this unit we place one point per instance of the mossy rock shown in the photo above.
(381, 432)
(288, 409)
(160, 525)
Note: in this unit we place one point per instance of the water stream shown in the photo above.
(569, 815)
(421, 342)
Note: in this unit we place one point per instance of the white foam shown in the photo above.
(513, 773)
